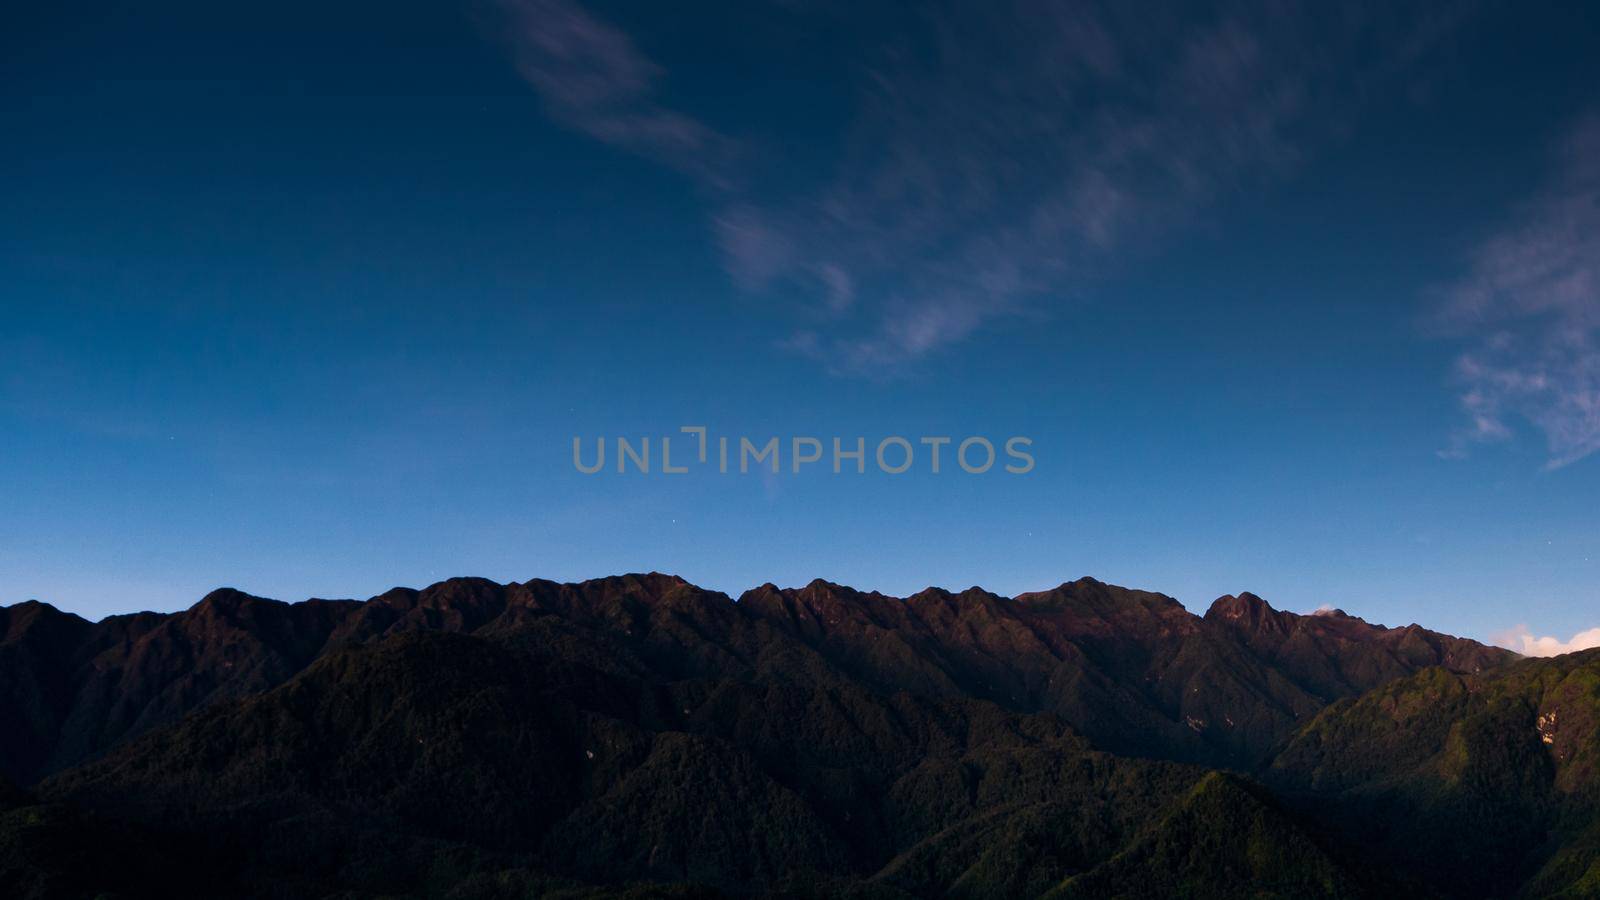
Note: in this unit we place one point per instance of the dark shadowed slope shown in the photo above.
(1226, 838)
(1484, 784)
(521, 758)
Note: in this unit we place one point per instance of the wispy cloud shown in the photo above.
(1531, 307)
(592, 79)
(1525, 642)
(1002, 157)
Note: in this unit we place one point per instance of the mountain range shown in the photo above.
(640, 736)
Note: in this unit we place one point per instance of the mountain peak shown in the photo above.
(1238, 606)
(658, 579)
(32, 614)
(832, 587)
(229, 602)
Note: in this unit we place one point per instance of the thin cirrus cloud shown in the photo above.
(1525, 642)
(593, 80)
(1001, 157)
(1530, 308)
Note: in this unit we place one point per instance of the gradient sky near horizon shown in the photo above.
(1301, 299)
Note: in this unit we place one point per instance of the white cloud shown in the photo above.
(1531, 307)
(1001, 157)
(1525, 642)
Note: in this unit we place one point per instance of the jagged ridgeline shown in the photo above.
(641, 735)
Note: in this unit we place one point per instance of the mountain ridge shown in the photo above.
(84, 686)
(476, 739)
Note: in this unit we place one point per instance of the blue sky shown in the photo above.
(312, 302)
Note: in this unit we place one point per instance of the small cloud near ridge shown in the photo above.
(1524, 641)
